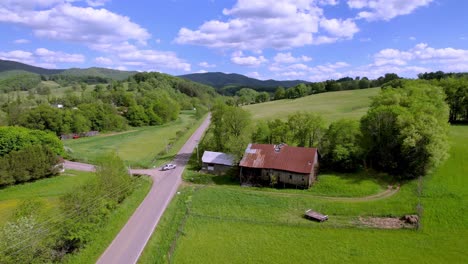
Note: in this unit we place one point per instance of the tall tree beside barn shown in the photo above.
(231, 129)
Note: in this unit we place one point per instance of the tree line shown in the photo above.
(404, 132)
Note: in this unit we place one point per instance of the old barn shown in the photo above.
(216, 162)
(279, 165)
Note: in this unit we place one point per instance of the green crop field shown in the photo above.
(139, 147)
(332, 105)
(219, 222)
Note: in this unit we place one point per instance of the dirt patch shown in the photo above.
(385, 222)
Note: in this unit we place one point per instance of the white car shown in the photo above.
(168, 167)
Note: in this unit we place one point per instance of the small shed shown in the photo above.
(216, 162)
(312, 215)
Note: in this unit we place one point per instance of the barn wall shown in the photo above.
(216, 168)
(286, 177)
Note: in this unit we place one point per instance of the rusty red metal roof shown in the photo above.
(279, 157)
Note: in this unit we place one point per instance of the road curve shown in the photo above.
(128, 245)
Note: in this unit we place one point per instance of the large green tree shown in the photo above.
(405, 129)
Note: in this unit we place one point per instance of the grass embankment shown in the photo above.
(140, 147)
(117, 220)
(48, 191)
(231, 224)
(332, 105)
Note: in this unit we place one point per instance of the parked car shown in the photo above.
(168, 167)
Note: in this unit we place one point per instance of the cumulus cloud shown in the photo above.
(239, 59)
(42, 57)
(123, 42)
(340, 28)
(278, 24)
(205, 64)
(17, 55)
(21, 41)
(95, 3)
(289, 58)
(147, 59)
(386, 9)
(66, 22)
(421, 53)
(49, 56)
(103, 61)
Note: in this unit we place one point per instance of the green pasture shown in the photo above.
(332, 105)
(138, 147)
(217, 221)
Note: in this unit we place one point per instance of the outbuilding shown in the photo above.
(279, 165)
(216, 162)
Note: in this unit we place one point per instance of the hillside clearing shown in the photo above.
(332, 105)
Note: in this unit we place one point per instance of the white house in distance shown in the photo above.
(216, 162)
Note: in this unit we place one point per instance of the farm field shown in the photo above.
(225, 223)
(139, 147)
(332, 105)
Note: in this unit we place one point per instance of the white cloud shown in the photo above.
(17, 55)
(412, 38)
(340, 28)
(421, 53)
(131, 55)
(103, 61)
(239, 59)
(62, 21)
(289, 58)
(21, 41)
(260, 24)
(386, 9)
(42, 57)
(205, 64)
(49, 56)
(95, 3)
(255, 75)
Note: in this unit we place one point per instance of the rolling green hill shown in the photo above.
(6, 65)
(12, 67)
(232, 81)
(332, 105)
(99, 72)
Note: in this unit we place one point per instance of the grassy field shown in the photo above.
(139, 147)
(47, 191)
(332, 105)
(223, 223)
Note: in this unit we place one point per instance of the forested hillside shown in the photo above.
(141, 100)
(229, 83)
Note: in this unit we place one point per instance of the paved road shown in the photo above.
(130, 242)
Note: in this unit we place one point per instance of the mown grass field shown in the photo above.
(332, 105)
(224, 223)
(139, 147)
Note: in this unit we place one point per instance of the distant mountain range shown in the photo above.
(7, 66)
(228, 83)
(224, 83)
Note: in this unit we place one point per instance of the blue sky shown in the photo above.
(279, 39)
